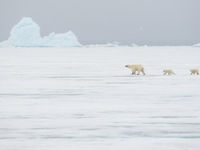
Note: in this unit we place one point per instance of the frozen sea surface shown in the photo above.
(85, 99)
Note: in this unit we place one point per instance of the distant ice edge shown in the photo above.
(26, 33)
(197, 45)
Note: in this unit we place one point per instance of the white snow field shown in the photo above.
(85, 99)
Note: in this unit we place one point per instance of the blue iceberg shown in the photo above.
(27, 34)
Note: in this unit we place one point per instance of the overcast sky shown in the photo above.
(151, 22)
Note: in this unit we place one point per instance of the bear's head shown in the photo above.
(127, 66)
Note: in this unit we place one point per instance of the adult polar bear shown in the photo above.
(136, 68)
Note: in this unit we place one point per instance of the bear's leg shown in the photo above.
(164, 73)
(197, 73)
(143, 72)
(133, 71)
(138, 72)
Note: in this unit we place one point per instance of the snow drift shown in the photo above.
(27, 34)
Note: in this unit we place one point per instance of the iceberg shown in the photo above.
(61, 40)
(134, 45)
(27, 34)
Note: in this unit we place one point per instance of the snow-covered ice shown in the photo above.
(27, 34)
(85, 99)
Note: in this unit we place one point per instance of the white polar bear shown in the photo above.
(136, 68)
(194, 71)
(168, 72)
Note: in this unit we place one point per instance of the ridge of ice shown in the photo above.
(197, 45)
(27, 34)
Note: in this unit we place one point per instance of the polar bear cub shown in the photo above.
(194, 71)
(168, 72)
(136, 68)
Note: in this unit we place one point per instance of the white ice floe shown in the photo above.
(85, 99)
(27, 34)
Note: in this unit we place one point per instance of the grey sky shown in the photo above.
(152, 22)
